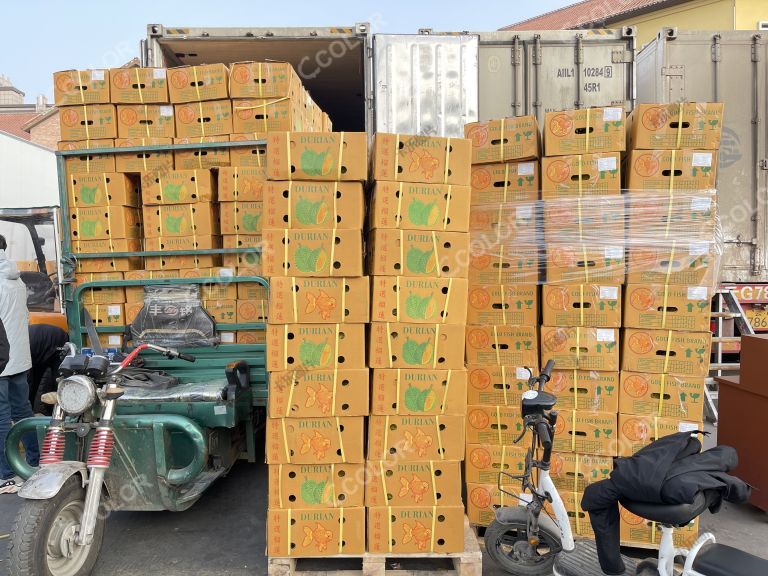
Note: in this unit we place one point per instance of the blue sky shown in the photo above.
(39, 37)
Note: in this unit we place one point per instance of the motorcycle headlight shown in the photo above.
(76, 394)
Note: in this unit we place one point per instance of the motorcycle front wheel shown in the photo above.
(43, 536)
(507, 545)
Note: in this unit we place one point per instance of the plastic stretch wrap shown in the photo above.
(633, 237)
(173, 316)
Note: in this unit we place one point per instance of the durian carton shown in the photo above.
(417, 391)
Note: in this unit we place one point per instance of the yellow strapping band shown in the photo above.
(504, 384)
(341, 441)
(394, 167)
(434, 481)
(383, 479)
(503, 305)
(581, 304)
(655, 427)
(332, 259)
(573, 430)
(261, 84)
(146, 118)
(85, 117)
(501, 262)
(669, 264)
(447, 300)
(285, 346)
(397, 390)
(586, 262)
(666, 354)
(389, 346)
(288, 154)
(576, 512)
(285, 441)
(496, 344)
(290, 521)
(445, 393)
(397, 298)
(333, 484)
(661, 393)
(280, 485)
(503, 457)
(341, 156)
(447, 207)
(400, 205)
(197, 188)
(402, 253)
(576, 475)
(439, 438)
(285, 249)
(437, 254)
(672, 173)
(501, 157)
(197, 87)
(575, 389)
(437, 345)
(589, 110)
(386, 438)
(144, 156)
(498, 425)
(200, 115)
(581, 187)
(389, 522)
(664, 306)
(336, 348)
(578, 347)
(335, 203)
(295, 303)
(291, 387)
(80, 86)
(343, 298)
(670, 202)
(506, 181)
(679, 124)
(447, 160)
(333, 393)
(432, 540)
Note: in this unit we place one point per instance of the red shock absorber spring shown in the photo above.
(53, 446)
(100, 452)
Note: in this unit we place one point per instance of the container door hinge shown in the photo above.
(763, 164)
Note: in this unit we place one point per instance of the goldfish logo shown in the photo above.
(317, 443)
(417, 533)
(419, 442)
(320, 536)
(415, 486)
(321, 397)
(321, 302)
(422, 160)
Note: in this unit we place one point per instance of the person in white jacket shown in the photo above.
(14, 390)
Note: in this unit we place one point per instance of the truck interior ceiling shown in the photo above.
(332, 69)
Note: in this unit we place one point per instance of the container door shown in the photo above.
(425, 84)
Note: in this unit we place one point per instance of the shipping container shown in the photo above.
(729, 67)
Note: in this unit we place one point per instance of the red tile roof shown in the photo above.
(588, 13)
(12, 123)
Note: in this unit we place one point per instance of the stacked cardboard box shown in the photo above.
(417, 247)
(318, 311)
(503, 303)
(671, 175)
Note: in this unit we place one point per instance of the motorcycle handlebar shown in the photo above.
(187, 357)
(542, 429)
(546, 374)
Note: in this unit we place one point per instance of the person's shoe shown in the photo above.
(11, 486)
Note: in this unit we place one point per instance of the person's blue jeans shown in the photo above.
(14, 406)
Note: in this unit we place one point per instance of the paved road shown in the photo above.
(224, 533)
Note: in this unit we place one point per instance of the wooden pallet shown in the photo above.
(467, 563)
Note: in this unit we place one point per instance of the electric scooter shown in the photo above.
(525, 542)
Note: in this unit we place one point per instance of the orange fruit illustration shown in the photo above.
(558, 382)
(480, 262)
(244, 114)
(121, 79)
(636, 386)
(479, 298)
(179, 79)
(481, 178)
(635, 429)
(560, 426)
(562, 257)
(647, 165)
(480, 220)
(556, 464)
(655, 118)
(480, 497)
(478, 338)
(69, 117)
(65, 82)
(561, 125)
(558, 171)
(241, 74)
(642, 299)
(554, 340)
(185, 114)
(480, 379)
(480, 458)
(629, 517)
(478, 134)
(557, 298)
(478, 419)
(128, 116)
(640, 343)
(248, 310)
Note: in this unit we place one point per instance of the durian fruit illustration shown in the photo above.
(176, 225)
(251, 222)
(316, 163)
(316, 492)
(314, 354)
(418, 353)
(173, 192)
(311, 213)
(417, 400)
(420, 261)
(90, 195)
(423, 213)
(91, 228)
(309, 260)
(420, 307)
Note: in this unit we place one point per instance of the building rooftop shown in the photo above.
(13, 122)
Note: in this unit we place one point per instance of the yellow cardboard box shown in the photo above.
(88, 122)
(178, 187)
(251, 156)
(672, 262)
(81, 87)
(252, 310)
(671, 170)
(418, 253)
(637, 431)
(333, 440)
(503, 345)
(145, 121)
(503, 304)
(581, 305)
(485, 461)
(294, 204)
(432, 483)
(304, 533)
(317, 156)
(319, 300)
(263, 80)
(584, 130)
(578, 518)
(676, 125)
(572, 472)
(101, 295)
(104, 223)
(85, 161)
(507, 182)
(175, 262)
(106, 314)
(658, 217)
(420, 206)
(428, 159)
(503, 140)
(201, 158)
(484, 499)
(662, 395)
(593, 390)
(143, 161)
(319, 253)
(493, 425)
(576, 348)
(592, 220)
(583, 263)
(316, 485)
(664, 306)
(224, 311)
(666, 352)
(267, 115)
(491, 262)
(597, 174)
(511, 223)
(136, 293)
(315, 346)
(197, 83)
(418, 391)
(408, 345)
(418, 300)
(240, 217)
(497, 385)
(636, 530)
(244, 183)
(138, 86)
(196, 119)
(318, 393)
(200, 218)
(586, 433)
(102, 189)
(409, 529)
(251, 337)
(415, 438)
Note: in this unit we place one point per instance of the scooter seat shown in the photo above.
(722, 560)
(669, 514)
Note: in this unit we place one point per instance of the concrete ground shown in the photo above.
(224, 533)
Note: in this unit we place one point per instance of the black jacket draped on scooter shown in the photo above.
(671, 470)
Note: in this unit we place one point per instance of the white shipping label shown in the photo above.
(606, 164)
(697, 293)
(609, 292)
(525, 169)
(114, 340)
(227, 337)
(219, 410)
(687, 427)
(614, 252)
(524, 212)
(166, 110)
(701, 204)
(698, 248)
(158, 73)
(521, 374)
(113, 310)
(97, 74)
(606, 335)
(612, 114)
(702, 159)
(226, 272)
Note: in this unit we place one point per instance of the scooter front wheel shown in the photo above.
(43, 536)
(508, 545)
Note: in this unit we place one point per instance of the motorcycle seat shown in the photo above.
(722, 560)
(670, 514)
(212, 391)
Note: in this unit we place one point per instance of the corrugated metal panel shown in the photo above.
(425, 84)
(540, 71)
(27, 174)
(729, 67)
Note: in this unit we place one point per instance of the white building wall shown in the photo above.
(27, 174)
